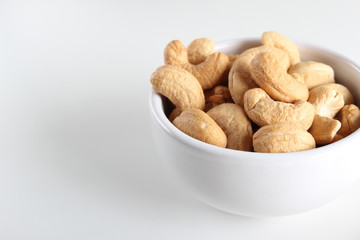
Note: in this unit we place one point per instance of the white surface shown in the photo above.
(77, 159)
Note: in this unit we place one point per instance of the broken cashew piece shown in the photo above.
(179, 86)
(349, 116)
(240, 79)
(199, 49)
(313, 73)
(199, 125)
(326, 100)
(209, 73)
(277, 40)
(324, 129)
(236, 125)
(264, 111)
(269, 71)
(282, 138)
(216, 96)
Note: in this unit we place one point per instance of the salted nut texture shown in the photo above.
(199, 49)
(236, 125)
(178, 85)
(262, 99)
(262, 110)
(201, 126)
(282, 138)
(269, 71)
(313, 73)
(209, 73)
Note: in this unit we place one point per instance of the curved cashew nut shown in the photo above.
(313, 73)
(199, 49)
(277, 40)
(349, 117)
(326, 100)
(236, 125)
(281, 138)
(240, 79)
(209, 73)
(264, 111)
(269, 71)
(179, 86)
(324, 129)
(200, 126)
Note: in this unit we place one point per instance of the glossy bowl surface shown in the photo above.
(262, 184)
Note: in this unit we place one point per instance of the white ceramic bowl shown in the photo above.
(262, 184)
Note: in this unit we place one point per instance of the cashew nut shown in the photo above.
(289, 104)
(349, 116)
(209, 73)
(199, 49)
(326, 100)
(240, 79)
(199, 125)
(264, 111)
(236, 125)
(215, 96)
(313, 73)
(324, 129)
(344, 91)
(281, 138)
(179, 86)
(277, 40)
(269, 71)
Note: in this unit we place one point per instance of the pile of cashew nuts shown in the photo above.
(265, 99)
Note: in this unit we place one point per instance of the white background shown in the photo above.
(77, 160)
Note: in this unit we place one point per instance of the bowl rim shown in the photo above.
(157, 111)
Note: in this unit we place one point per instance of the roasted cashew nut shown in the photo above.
(277, 40)
(349, 116)
(240, 79)
(341, 89)
(209, 73)
(269, 71)
(179, 86)
(282, 138)
(264, 111)
(313, 73)
(327, 100)
(199, 49)
(324, 129)
(236, 125)
(200, 126)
